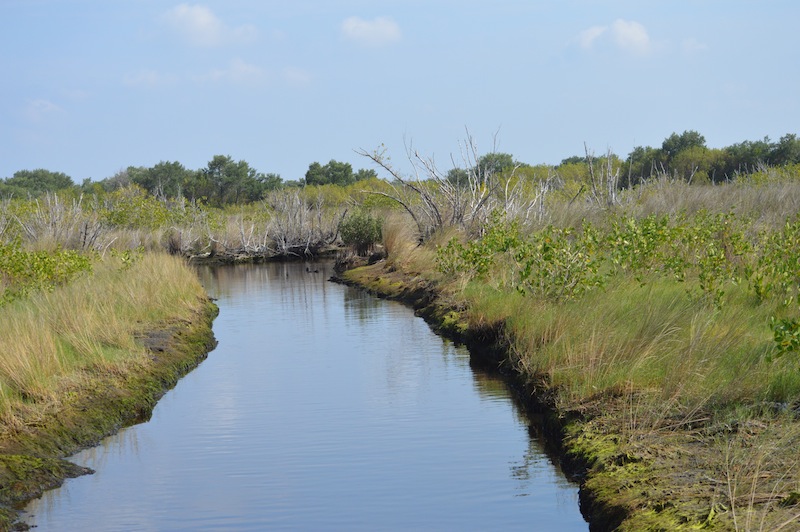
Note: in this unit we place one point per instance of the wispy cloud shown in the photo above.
(238, 72)
(627, 35)
(38, 109)
(631, 36)
(199, 26)
(376, 32)
(297, 77)
(692, 46)
(587, 37)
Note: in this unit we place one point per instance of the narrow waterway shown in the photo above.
(322, 408)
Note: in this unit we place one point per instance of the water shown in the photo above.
(322, 408)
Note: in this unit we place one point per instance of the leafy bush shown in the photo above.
(556, 264)
(706, 253)
(361, 231)
(22, 272)
(134, 208)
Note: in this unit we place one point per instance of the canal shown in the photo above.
(322, 408)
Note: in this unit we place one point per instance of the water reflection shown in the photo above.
(321, 408)
(360, 306)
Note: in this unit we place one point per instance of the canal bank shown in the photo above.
(99, 402)
(321, 408)
(682, 471)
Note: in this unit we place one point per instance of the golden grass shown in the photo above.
(766, 203)
(93, 321)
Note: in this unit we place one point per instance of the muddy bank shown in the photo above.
(217, 257)
(32, 451)
(690, 470)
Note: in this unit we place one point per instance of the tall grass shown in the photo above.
(667, 360)
(766, 202)
(93, 322)
(650, 339)
(692, 336)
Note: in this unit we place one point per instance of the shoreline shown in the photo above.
(629, 479)
(33, 456)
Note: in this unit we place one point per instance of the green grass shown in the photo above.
(651, 338)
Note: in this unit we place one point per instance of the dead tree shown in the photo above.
(434, 201)
(604, 187)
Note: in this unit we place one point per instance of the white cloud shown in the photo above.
(199, 26)
(627, 35)
(587, 37)
(375, 32)
(631, 36)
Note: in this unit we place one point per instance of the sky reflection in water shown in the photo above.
(322, 408)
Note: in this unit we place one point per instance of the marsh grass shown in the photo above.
(93, 322)
(766, 202)
(650, 338)
(759, 484)
(397, 235)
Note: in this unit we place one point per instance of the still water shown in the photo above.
(322, 408)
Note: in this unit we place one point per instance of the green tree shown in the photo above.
(364, 174)
(164, 180)
(37, 182)
(746, 156)
(225, 181)
(692, 164)
(333, 173)
(269, 181)
(575, 159)
(458, 177)
(339, 173)
(642, 163)
(495, 163)
(785, 151)
(316, 174)
(675, 143)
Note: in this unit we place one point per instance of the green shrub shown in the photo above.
(361, 231)
(22, 272)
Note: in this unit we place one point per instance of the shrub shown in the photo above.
(361, 231)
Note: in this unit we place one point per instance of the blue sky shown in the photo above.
(93, 86)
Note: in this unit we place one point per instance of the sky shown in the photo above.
(90, 87)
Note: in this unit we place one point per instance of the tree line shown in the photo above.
(686, 156)
(225, 181)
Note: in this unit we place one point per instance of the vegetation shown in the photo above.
(22, 272)
(653, 302)
(52, 335)
(35, 182)
(335, 173)
(659, 321)
(361, 231)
